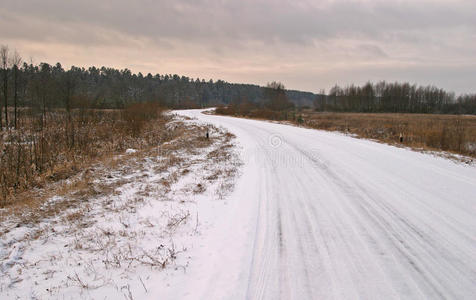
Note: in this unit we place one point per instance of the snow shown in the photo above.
(314, 215)
(319, 215)
(131, 151)
(140, 234)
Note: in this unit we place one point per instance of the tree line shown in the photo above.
(275, 105)
(395, 97)
(44, 86)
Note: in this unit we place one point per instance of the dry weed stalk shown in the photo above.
(40, 152)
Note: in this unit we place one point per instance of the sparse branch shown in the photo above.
(4, 65)
(15, 62)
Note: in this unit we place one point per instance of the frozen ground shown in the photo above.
(320, 215)
(314, 215)
(123, 229)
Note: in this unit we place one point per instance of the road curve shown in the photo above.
(320, 215)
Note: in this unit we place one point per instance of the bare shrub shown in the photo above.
(58, 144)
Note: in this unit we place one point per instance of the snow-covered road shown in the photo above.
(319, 215)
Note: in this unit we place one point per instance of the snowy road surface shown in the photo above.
(320, 215)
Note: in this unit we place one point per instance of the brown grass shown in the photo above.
(451, 133)
(57, 146)
(77, 208)
(86, 182)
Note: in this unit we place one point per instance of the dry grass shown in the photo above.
(31, 206)
(451, 133)
(99, 214)
(436, 132)
(58, 145)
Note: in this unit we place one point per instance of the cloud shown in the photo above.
(251, 40)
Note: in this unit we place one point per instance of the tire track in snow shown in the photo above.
(375, 209)
(348, 221)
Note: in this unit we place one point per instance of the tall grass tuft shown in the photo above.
(55, 145)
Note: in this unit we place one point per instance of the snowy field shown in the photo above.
(130, 227)
(309, 215)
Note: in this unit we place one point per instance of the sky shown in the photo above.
(307, 45)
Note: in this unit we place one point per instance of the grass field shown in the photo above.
(428, 131)
(451, 133)
(55, 145)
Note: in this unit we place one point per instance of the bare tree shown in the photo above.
(4, 64)
(15, 62)
(276, 98)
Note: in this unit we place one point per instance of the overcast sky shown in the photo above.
(307, 45)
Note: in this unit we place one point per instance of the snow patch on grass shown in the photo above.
(125, 227)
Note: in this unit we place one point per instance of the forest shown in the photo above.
(44, 86)
(395, 98)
